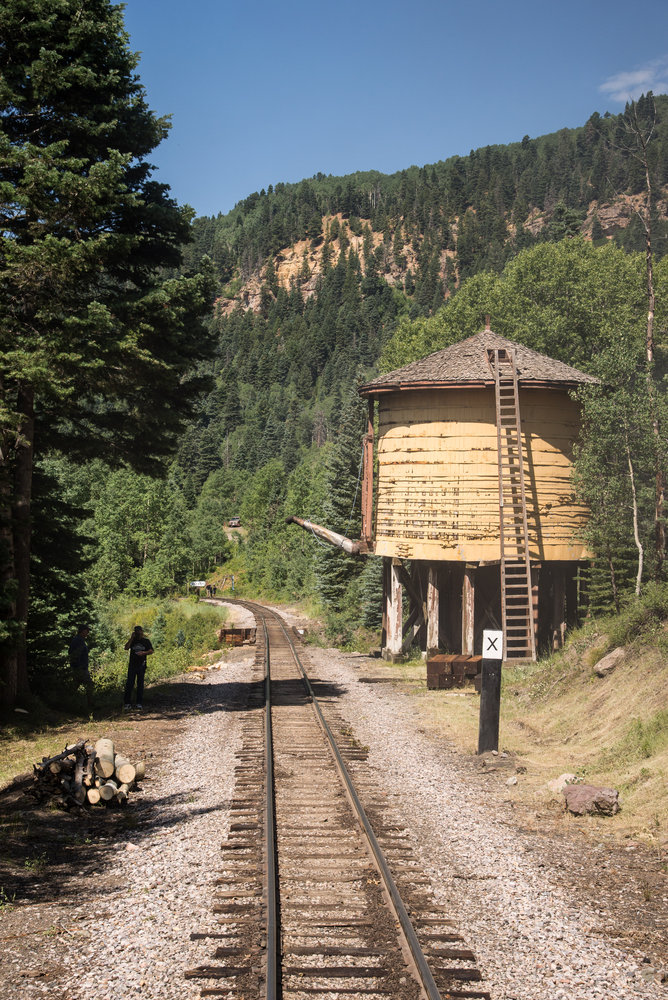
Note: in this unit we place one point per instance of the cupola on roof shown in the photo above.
(466, 364)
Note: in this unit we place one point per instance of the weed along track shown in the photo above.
(318, 894)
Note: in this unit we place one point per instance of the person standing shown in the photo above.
(140, 647)
(78, 654)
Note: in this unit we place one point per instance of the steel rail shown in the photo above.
(422, 966)
(272, 978)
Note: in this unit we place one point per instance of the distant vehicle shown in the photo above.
(234, 522)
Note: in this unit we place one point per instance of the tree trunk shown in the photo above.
(8, 651)
(643, 138)
(636, 534)
(23, 473)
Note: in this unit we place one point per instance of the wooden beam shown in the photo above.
(535, 597)
(433, 610)
(490, 706)
(558, 625)
(392, 650)
(408, 582)
(367, 479)
(468, 610)
(413, 622)
(386, 584)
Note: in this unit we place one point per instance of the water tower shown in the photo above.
(472, 508)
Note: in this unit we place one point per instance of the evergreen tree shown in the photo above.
(597, 234)
(341, 507)
(86, 311)
(371, 594)
(60, 595)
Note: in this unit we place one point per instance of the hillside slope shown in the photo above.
(425, 229)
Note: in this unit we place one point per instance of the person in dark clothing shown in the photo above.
(140, 647)
(78, 654)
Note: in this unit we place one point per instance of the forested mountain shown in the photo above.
(316, 276)
(469, 212)
(322, 281)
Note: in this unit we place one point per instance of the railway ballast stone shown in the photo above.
(581, 799)
(610, 662)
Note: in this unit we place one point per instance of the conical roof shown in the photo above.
(466, 364)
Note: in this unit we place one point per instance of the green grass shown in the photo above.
(181, 631)
(644, 738)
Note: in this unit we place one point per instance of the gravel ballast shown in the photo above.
(533, 941)
(124, 932)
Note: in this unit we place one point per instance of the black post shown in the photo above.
(490, 706)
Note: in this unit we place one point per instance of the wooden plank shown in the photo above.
(394, 613)
(433, 609)
(468, 609)
(437, 454)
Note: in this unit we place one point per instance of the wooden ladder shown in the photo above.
(517, 613)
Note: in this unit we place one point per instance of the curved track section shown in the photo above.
(317, 896)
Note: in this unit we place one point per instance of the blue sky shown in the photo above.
(266, 92)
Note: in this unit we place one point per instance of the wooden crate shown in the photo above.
(448, 670)
(237, 636)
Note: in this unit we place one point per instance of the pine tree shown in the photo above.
(87, 311)
(341, 507)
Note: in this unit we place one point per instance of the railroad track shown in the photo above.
(319, 895)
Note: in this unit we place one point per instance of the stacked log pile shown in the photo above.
(85, 774)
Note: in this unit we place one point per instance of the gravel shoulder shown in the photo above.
(549, 916)
(104, 908)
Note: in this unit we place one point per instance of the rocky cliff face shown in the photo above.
(302, 263)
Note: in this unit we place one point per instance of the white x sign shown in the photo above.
(492, 645)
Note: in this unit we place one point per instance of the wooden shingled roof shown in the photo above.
(466, 364)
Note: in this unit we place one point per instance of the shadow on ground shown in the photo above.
(43, 847)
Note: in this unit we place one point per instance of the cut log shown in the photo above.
(140, 770)
(78, 793)
(108, 790)
(125, 771)
(104, 765)
(82, 775)
(90, 769)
